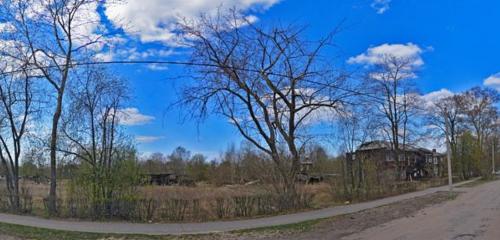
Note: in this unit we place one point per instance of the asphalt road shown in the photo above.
(220, 226)
(475, 214)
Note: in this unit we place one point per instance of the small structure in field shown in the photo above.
(168, 179)
(304, 176)
(36, 179)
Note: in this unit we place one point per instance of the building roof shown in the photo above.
(374, 145)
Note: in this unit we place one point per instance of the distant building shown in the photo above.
(415, 161)
(167, 179)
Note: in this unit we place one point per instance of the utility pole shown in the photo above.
(493, 158)
(448, 153)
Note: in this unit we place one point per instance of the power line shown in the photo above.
(132, 62)
(183, 63)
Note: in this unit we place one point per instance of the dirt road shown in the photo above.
(475, 214)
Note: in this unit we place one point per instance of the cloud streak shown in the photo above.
(147, 139)
(381, 6)
(493, 81)
(133, 117)
(377, 54)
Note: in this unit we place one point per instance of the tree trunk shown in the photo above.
(52, 204)
(360, 172)
(16, 203)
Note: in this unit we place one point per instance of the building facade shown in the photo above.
(410, 162)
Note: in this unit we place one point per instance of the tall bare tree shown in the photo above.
(56, 33)
(269, 83)
(356, 126)
(16, 108)
(480, 112)
(389, 79)
(445, 120)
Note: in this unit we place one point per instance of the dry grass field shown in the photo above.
(206, 202)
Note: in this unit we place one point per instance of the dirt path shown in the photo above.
(473, 215)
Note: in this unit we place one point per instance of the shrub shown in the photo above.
(175, 209)
(25, 200)
(146, 209)
(243, 206)
(265, 204)
(222, 207)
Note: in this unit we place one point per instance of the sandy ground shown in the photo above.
(473, 215)
(342, 226)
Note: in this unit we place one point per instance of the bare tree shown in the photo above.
(481, 114)
(56, 33)
(473, 111)
(16, 108)
(389, 79)
(481, 117)
(356, 126)
(269, 83)
(178, 159)
(446, 111)
(90, 127)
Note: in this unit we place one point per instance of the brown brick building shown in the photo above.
(415, 161)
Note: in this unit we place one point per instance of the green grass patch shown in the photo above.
(293, 227)
(33, 233)
(478, 182)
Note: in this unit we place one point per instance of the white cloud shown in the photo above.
(432, 98)
(381, 6)
(117, 52)
(376, 55)
(147, 139)
(105, 56)
(155, 20)
(134, 54)
(493, 81)
(6, 27)
(87, 26)
(157, 67)
(132, 117)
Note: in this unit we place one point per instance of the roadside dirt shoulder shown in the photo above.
(341, 226)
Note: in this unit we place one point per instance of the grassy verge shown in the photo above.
(293, 227)
(32, 233)
(478, 182)
(23, 232)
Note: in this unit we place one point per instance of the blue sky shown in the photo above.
(458, 42)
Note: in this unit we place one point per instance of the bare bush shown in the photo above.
(147, 208)
(174, 209)
(222, 207)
